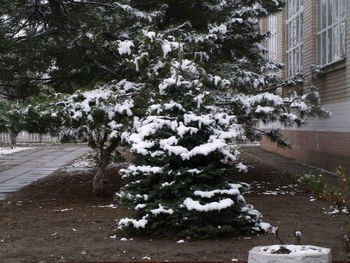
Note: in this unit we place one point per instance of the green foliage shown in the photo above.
(65, 44)
(200, 74)
(338, 195)
(313, 184)
(11, 118)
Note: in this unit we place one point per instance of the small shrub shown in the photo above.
(340, 196)
(311, 184)
(314, 184)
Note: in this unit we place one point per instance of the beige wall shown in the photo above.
(334, 83)
(324, 143)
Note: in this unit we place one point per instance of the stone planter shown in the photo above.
(289, 254)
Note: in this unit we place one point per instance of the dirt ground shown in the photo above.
(57, 219)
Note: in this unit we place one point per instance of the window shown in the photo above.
(331, 35)
(272, 41)
(295, 37)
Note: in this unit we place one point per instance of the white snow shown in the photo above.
(63, 210)
(108, 206)
(140, 206)
(265, 226)
(190, 204)
(6, 150)
(132, 169)
(194, 171)
(162, 209)
(81, 164)
(124, 47)
(210, 194)
(335, 210)
(218, 29)
(241, 167)
(136, 223)
(295, 249)
(182, 130)
(169, 46)
(265, 110)
(167, 184)
(150, 34)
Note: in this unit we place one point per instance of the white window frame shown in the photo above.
(272, 40)
(331, 36)
(295, 38)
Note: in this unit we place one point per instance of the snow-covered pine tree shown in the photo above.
(97, 113)
(179, 183)
(100, 117)
(208, 71)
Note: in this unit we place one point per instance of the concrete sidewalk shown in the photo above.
(286, 165)
(23, 168)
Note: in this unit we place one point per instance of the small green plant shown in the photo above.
(340, 195)
(314, 184)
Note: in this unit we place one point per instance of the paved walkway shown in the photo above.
(23, 168)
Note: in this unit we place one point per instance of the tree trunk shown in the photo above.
(98, 183)
(13, 138)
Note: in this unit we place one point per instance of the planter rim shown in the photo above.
(319, 250)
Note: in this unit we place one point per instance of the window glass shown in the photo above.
(272, 40)
(332, 31)
(295, 37)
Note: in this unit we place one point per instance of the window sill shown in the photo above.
(333, 66)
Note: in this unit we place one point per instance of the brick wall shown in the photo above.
(323, 149)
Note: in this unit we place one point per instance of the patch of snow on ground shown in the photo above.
(312, 199)
(108, 206)
(334, 211)
(63, 210)
(87, 163)
(82, 164)
(8, 150)
(264, 188)
(123, 238)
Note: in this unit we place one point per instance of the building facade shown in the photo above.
(307, 33)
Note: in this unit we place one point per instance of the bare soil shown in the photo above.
(57, 219)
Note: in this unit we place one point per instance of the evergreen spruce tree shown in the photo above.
(202, 65)
(179, 183)
(207, 71)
